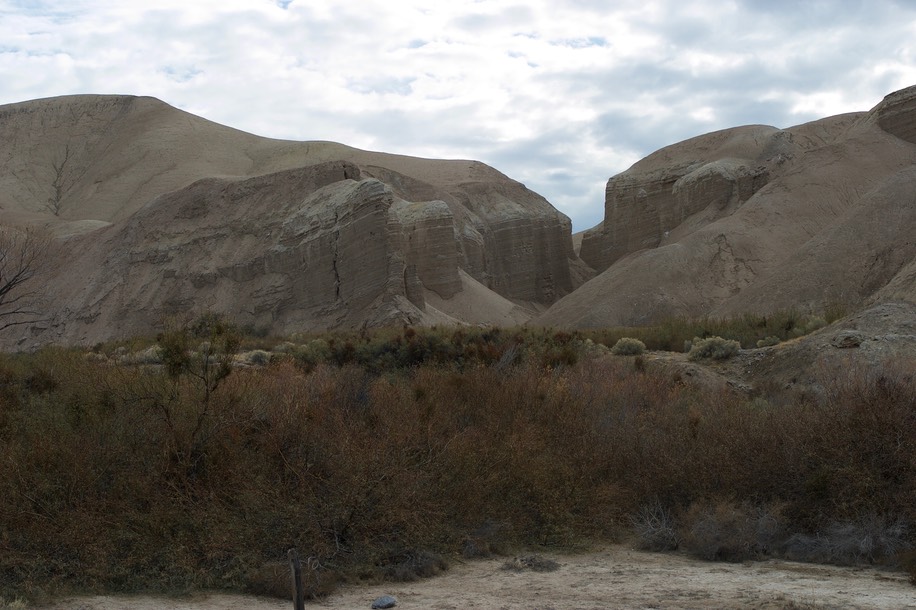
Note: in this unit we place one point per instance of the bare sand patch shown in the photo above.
(614, 577)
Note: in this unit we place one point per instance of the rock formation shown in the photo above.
(159, 213)
(164, 213)
(757, 219)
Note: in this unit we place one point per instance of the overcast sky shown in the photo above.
(559, 94)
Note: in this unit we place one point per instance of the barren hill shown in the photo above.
(161, 212)
(757, 219)
(157, 213)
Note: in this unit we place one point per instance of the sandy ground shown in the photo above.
(615, 577)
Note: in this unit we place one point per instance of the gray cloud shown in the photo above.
(559, 95)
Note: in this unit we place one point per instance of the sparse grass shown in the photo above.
(383, 454)
(672, 333)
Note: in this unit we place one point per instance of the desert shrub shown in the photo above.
(673, 333)
(284, 347)
(815, 323)
(868, 540)
(150, 355)
(769, 341)
(311, 354)
(907, 561)
(256, 357)
(715, 348)
(272, 579)
(725, 531)
(131, 478)
(655, 528)
(488, 539)
(409, 566)
(627, 346)
(535, 563)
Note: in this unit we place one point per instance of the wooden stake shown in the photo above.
(296, 568)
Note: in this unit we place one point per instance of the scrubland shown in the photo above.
(170, 466)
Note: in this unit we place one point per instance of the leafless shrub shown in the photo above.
(410, 566)
(870, 540)
(486, 541)
(724, 531)
(655, 528)
(23, 255)
(535, 563)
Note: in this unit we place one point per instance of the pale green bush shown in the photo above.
(768, 342)
(627, 346)
(256, 357)
(815, 323)
(715, 348)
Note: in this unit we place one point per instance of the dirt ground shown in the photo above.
(614, 577)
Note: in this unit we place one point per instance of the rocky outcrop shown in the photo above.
(429, 237)
(711, 174)
(756, 219)
(166, 213)
(896, 114)
(309, 248)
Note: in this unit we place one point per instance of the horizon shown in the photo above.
(557, 96)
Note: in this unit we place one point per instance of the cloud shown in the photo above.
(559, 95)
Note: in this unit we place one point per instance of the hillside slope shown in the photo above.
(158, 213)
(161, 212)
(757, 219)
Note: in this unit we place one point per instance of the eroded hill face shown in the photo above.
(162, 213)
(758, 219)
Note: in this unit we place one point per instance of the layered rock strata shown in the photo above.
(165, 213)
(757, 219)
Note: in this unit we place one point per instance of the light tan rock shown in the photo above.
(166, 213)
(757, 219)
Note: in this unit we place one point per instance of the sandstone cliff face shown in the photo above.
(314, 247)
(165, 213)
(160, 213)
(757, 219)
(686, 186)
(896, 114)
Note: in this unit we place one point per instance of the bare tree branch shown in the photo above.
(22, 253)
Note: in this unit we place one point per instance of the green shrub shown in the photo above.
(628, 346)
(769, 341)
(815, 323)
(715, 348)
(257, 357)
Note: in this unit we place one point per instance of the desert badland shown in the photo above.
(149, 214)
(159, 212)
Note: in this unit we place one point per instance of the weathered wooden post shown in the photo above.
(296, 568)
